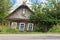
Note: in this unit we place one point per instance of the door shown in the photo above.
(22, 26)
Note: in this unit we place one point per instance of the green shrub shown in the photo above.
(8, 30)
(55, 29)
(38, 28)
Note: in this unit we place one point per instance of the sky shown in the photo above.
(14, 1)
(17, 3)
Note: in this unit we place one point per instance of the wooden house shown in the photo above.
(19, 18)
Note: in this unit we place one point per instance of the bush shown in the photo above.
(38, 28)
(8, 30)
(55, 29)
(45, 20)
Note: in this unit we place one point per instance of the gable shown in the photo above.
(17, 14)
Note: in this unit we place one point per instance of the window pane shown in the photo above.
(22, 26)
(30, 27)
(14, 25)
(24, 10)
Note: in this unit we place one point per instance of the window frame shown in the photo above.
(20, 26)
(32, 26)
(13, 25)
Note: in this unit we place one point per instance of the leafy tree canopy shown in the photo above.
(4, 7)
(48, 14)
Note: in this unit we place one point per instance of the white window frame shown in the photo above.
(32, 26)
(13, 25)
(20, 26)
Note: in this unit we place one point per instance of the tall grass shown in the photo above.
(55, 29)
(4, 29)
(9, 30)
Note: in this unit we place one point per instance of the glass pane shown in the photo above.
(22, 27)
(24, 11)
(14, 25)
(30, 26)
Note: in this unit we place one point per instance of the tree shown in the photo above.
(46, 16)
(4, 7)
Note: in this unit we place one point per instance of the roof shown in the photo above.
(21, 6)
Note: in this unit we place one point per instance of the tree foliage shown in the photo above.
(47, 15)
(4, 7)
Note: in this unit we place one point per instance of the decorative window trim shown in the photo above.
(28, 26)
(20, 25)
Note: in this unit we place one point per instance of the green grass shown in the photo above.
(4, 29)
(8, 30)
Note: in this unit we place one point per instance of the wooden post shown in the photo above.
(17, 25)
(9, 23)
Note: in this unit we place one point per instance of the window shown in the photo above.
(14, 25)
(23, 11)
(30, 27)
(22, 26)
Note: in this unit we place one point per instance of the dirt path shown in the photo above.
(28, 36)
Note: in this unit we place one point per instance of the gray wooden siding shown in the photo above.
(18, 14)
